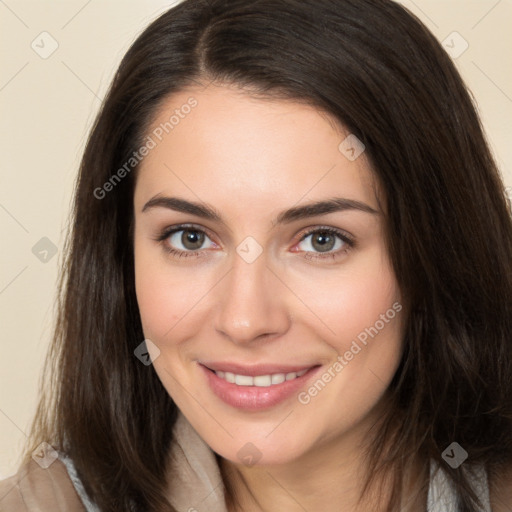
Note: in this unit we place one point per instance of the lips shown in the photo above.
(256, 387)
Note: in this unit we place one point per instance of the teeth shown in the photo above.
(259, 380)
(278, 378)
(244, 380)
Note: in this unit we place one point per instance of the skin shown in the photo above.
(250, 159)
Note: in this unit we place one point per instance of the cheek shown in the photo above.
(160, 306)
(353, 300)
(168, 295)
(158, 302)
(362, 311)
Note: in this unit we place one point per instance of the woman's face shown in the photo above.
(263, 284)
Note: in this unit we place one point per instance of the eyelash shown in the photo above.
(345, 237)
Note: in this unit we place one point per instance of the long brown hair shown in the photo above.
(382, 74)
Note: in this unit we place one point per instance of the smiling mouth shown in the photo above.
(257, 387)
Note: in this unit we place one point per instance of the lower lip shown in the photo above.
(255, 397)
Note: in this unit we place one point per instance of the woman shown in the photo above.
(289, 277)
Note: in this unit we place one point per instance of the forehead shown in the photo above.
(221, 144)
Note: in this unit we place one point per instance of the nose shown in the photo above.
(251, 303)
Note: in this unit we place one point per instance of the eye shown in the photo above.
(328, 242)
(185, 241)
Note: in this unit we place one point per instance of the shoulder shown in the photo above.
(500, 490)
(36, 488)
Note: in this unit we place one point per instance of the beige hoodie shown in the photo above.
(196, 486)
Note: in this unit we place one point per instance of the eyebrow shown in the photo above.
(335, 204)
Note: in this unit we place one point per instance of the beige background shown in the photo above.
(47, 106)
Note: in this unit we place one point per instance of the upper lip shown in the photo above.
(256, 369)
